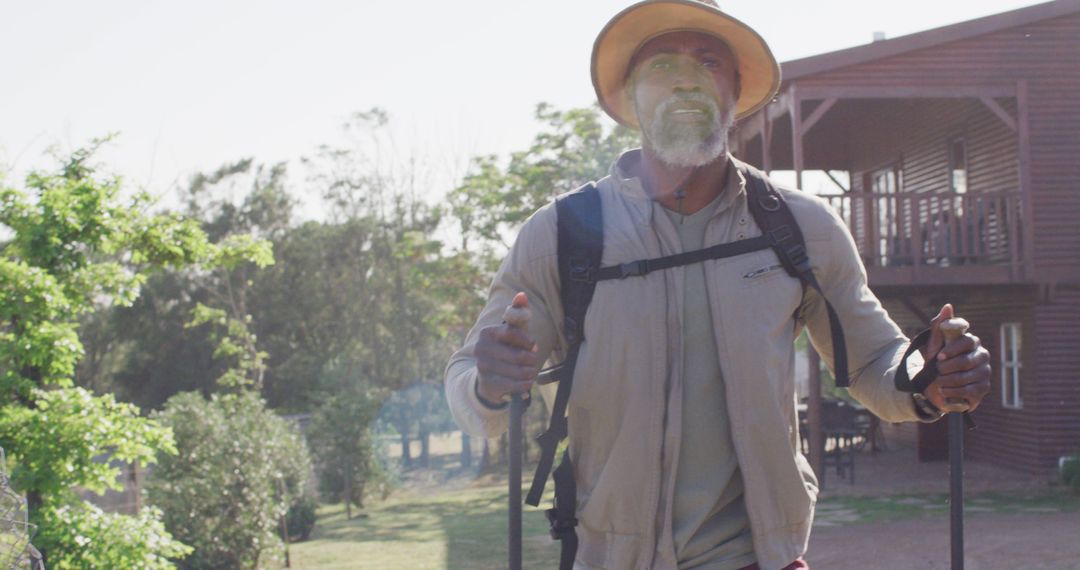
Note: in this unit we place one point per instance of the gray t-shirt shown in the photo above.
(709, 521)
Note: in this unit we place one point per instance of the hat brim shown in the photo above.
(630, 29)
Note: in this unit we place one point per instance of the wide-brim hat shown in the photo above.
(630, 29)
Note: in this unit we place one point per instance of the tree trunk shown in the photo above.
(406, 453)
(466, 451)
(425, 446)
(34, 503)
(348, 490)
(485, 455)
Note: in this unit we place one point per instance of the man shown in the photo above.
(682, 422)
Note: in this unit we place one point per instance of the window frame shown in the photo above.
(958, 163)
(1011, 345)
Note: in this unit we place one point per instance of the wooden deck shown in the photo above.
(944, 238)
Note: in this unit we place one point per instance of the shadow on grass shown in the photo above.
(465, 528)
(476, 535)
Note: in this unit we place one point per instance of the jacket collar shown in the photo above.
(629, 185)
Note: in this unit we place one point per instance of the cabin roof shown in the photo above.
(881, 49)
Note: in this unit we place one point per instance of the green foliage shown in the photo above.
(577, 145)
(343, 447)
(81, 536)
(76, 247)
(72, 428)
(300, 520)
(221, 493)
(235, 343)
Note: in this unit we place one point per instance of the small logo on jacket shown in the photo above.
(762, 271)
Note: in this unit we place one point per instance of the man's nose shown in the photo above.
(688, 75)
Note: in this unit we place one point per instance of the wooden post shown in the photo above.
(917, 243)
(766, 140)
(815, 427)
(136, 485)
(796, 136)
(813, 402)
(1027, 220)
(284, 525)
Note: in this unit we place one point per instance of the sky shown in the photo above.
(189, 86)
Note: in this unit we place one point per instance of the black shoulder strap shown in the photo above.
(774, 217)
(580, 248)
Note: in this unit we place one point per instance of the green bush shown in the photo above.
(344, 450)
(82, 536)
(221, 493)
(300, 520)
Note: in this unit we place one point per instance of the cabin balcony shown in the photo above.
(940, 238)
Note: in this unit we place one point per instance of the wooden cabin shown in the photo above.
(955, 160)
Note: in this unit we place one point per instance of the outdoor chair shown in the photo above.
(841, 423)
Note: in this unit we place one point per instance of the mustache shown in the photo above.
(706, 102)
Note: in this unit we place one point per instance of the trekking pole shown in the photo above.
(517, 407)
(953, 329)
(517, 316)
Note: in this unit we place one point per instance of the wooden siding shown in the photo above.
(1045, 55)
(1056, 394)
(1007, 437)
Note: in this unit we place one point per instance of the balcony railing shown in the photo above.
(934, 229)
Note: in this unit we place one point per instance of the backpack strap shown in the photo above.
(580, 248)
(774, 217)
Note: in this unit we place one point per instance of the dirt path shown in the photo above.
(993, 542)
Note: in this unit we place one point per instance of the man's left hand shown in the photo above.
(963, 365)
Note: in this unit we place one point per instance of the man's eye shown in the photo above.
(660, 64)
(710, 63)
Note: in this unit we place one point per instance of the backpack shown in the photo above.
(580, 247)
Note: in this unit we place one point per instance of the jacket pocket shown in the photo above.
(810, 480)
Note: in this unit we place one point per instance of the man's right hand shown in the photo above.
(506, 359)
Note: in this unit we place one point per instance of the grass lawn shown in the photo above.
(457, 528)
(465, 528)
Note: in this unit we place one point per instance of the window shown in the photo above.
(957, 166)
(1010, 365)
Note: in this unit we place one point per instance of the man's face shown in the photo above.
(684, 87)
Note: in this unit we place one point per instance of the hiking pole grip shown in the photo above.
(952, 329)
(517, 317)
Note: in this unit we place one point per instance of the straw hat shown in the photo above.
(630, 29)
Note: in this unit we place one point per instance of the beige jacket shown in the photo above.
(624, 410)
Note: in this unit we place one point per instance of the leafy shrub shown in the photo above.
(82, 536)
(77, 428)
(221, 492)
(341, 442)
(300, 520)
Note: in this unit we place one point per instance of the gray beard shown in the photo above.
(689, 145)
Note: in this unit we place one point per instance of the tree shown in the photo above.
(222, 493)
(159, 353)
(77, 247)
(576, 146)
(344, 449)
(240, 467)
